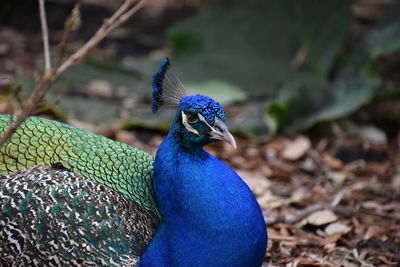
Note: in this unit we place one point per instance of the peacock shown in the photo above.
(69, 197)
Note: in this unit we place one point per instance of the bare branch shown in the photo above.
(121, 10)
(38, 93)
(124, 17)
(40, 90)
(45, 35)
(72, 24)
(104, 30)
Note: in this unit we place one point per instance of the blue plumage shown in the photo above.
(205, 105)
(210, 216)
(157, 85)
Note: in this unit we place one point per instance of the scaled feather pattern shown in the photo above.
(53, 217)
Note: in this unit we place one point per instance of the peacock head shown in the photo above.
(200, 120)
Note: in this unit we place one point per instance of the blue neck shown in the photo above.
(211, 217)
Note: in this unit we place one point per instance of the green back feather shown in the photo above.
(39, 141)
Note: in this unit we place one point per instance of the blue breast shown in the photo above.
(211, 217)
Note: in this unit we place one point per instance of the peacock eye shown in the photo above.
(192, 118)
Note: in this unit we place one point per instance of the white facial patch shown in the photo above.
(187, 125)
(204, 120)
(213, 131)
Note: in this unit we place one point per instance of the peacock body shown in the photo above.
(70, 197)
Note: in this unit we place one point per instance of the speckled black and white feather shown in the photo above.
(53, 217)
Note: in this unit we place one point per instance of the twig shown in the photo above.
(281, 237)
(45, 35)
(38, 93)
(44, 85)
(121, 10)
(104, 30)
(72, 24)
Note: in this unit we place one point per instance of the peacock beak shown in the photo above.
(220, 132)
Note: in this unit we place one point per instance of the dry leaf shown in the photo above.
(337, 177)
(270, 200)
(396, 180)
(386, 260)
(335, 228)
(309, 262)
(321, 217)
(257, 182)
(333, 162)
(299, 195)
(296, 149)
(373, 231)
(331, 239)
(329, 247)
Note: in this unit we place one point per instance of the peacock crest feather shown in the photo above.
(167, 88)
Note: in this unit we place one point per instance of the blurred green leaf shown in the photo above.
(356, 84)
(222, 91)
(262, 47)
(252, 44)
(384, 38)
(186, 44)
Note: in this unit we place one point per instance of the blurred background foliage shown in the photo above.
(277, 65)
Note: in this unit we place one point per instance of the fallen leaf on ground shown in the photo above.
(321, 217)
(257, 182)
(332, 162)
(296, 149)
(373, 231)
(335, 228)
(337, 177)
